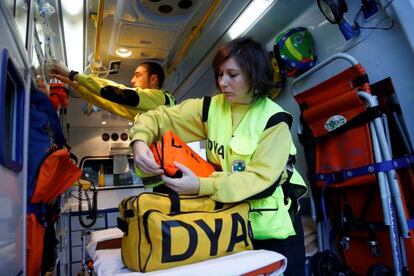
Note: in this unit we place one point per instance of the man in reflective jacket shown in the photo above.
(124, 101)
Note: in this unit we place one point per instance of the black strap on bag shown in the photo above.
(175, 203)
(176, 206)
(123, 225)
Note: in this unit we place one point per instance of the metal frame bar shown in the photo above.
(321, 65)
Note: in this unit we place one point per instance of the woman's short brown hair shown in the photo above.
(253, 59)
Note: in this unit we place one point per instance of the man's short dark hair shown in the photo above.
(253, 59)
(154, 68)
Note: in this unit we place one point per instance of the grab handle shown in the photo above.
(321, 65)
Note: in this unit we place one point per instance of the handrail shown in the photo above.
(98, 31)
(320, 65)
(194, 34)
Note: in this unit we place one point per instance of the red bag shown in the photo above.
(59, 95)
(34, 247)
(57, 173)
(171, 149)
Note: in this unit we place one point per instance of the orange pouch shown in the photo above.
(57, 173)
(171, 149)
(59, 95)
(34, 250)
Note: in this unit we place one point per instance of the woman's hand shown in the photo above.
(145, 159)
(188, 184)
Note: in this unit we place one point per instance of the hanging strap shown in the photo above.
(288, 189)
(368, 115)
(384, 166)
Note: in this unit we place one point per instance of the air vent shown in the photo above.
(169, 7)
(105, 137)
(114, 136)
(124, 136)
(150, 28)
(185, 4)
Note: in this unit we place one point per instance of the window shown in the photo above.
(11, 114)
(112, 171)
(20, 11)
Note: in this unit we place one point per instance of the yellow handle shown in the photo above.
(101, 179)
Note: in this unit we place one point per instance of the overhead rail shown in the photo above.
(194, 34)
(99, 23)
(95, 64)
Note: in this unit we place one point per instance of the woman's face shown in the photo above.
(234, 83)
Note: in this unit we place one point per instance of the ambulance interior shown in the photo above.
(110, 38)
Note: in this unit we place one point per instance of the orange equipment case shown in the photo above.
(172, 149)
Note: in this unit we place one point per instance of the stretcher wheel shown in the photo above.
(379, 270)
(326, 264)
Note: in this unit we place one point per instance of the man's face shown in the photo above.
(141, 78)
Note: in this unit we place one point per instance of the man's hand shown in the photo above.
(188, 184)
(73, 84)
(57, 67)
(145, 159)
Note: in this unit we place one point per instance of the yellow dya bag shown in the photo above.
(163, 231)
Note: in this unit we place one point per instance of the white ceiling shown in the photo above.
(144, 27)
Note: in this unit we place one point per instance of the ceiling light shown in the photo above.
(248, 17)
(103, 123)
(73, 7)
(122, 52)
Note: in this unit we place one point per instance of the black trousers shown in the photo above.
(293, 248)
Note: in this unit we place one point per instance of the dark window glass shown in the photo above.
(11, 115)
(101, 172)
(8, 117)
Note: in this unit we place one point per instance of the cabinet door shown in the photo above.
(13, 91)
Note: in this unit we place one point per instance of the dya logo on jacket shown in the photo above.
(213, 146)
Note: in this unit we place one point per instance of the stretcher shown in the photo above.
(361, 212)
(104, 250)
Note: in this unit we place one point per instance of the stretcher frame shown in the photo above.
(393, 210)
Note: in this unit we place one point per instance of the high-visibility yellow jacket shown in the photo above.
(233, 149)
(119, 99)
(190, 120)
